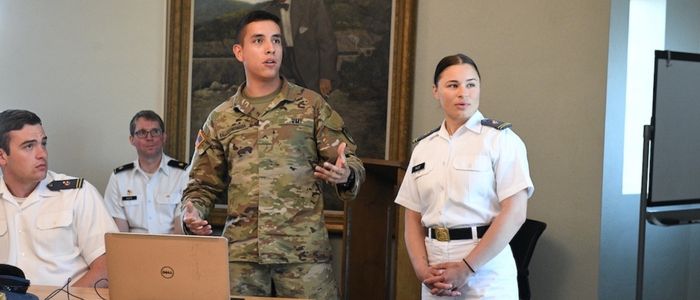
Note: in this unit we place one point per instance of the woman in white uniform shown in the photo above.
(465, 194)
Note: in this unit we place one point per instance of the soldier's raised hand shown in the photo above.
(334, 173)
(194, 222)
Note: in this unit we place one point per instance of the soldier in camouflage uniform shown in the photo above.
(266, 149)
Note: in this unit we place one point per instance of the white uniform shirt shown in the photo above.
(148, 204)
(53, 235)
(459, 181)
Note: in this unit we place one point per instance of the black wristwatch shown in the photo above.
(348, 185)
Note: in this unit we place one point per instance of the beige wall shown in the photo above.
(543, 66)
(85, 67)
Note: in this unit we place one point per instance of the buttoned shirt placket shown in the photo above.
(446, 184)
(151, 185)
(20, 227)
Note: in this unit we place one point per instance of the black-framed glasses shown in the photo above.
(143, 133)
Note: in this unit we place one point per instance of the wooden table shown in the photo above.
(42, 291)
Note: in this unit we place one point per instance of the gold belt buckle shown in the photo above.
(442, 234)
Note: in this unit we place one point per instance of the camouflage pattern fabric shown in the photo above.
(306, 280)
(262, 164)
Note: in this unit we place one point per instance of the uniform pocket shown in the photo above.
(131, 200)
(168, 199)
(55, 234)
(3, 227)
(53, 220)
(477, 172)
(4, 237)
(422, 171)
(425, 178)
(295, 138)
(476, 163)
(134, 209)
(292, 127)
(166, 205)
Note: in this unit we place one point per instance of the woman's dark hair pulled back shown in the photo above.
(456, 59)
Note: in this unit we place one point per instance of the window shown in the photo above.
(647, 28)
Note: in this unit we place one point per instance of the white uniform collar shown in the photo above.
(3, 188)
(41, 189)
(473, 124)
(164, 159)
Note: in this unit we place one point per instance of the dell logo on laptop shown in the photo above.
(167, 272)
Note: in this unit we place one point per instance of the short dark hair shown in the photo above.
(451, 60)
(254, 16)
(14, 119)
(148, 115)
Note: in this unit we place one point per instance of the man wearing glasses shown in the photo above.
(142, 196)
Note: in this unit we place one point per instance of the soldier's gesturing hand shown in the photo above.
(195, 224)
(334, 173)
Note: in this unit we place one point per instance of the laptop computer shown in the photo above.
(149, 266)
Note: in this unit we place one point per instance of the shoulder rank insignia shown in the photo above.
(496, 124)
(128, 166)
(68, 184)
(418, 139)
(177, 164)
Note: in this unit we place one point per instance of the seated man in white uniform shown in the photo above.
(52, 226)
(142, 196)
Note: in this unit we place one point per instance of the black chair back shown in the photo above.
(523, 245)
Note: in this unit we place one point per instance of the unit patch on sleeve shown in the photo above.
(200, 139)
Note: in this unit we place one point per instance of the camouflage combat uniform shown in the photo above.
(262, 163)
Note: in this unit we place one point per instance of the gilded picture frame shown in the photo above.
(399, 99)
